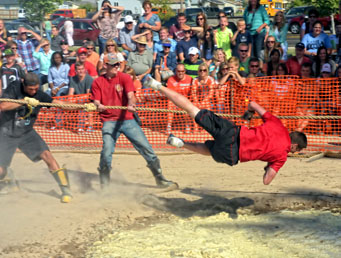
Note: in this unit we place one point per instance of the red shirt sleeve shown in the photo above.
(127, 82)
(278, 163)
(91, 69)
(72, 71)
(95, 90)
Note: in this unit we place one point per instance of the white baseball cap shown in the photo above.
(326, 68)
(193, 51)
(128, 19)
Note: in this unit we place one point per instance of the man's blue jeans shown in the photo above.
(257, 43)
(111, 130)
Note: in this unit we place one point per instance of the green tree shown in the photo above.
(37, 9)
(166, 12)
(88, 7)
(325, 7)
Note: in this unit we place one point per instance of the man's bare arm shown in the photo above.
(269, 175)
(253, 106)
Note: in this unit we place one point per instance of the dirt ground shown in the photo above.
(33, 223)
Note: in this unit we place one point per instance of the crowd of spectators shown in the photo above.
(200, 58)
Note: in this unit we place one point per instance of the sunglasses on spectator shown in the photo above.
(202, 70)
(224, 68)
(90, 48)
(254, 66)
(242, 50)
(200, 19)
(180, 71)
(166, 46)
(114, 65)
(220, 16)
(110, 45)
(187, 31)
(270, 41)
(14, 48)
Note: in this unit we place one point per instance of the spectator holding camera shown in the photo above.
(256, 19)
(107, 19)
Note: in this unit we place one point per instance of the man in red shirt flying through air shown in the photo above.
(270, 142)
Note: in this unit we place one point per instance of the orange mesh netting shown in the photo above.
(282, 96)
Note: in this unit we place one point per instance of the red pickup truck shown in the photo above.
(296, 22)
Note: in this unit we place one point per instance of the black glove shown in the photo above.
(248, 115)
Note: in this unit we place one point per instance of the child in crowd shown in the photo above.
(241, 36)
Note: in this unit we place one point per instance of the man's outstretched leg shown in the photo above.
(178, 99)
(183, 103)
(192, 146)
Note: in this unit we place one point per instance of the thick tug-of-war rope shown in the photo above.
(161, 110)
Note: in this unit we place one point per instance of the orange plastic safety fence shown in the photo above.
(282, 96)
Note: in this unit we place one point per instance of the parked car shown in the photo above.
(296, 22)
(193, 11)
(64, 13)
(229, 11)
(298, 11)
(55, 22)
(190, 21)
(296, 16)
(12, 27)
(82, 29)
(211, 12)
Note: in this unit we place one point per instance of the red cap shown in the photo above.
(82, 50)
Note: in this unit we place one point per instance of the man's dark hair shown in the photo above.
(254, 59)
(313, 11)
(181, 15)
(77, 64)
(307, 64)
(31, 79)
(317, 22)
(300, 139)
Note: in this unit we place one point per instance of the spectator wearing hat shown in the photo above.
(149, 38)
(193, 62)
(165, 62)
(44, 58)
(10, 71)
(326, 71)
(92, 56)
(117, 88)
(89, 67)
(26, 48)
(141, 60)
(294, 63)
(126, 34)
(185, 44)
(158, 46)
(18, 59)
(56, 39)
(68, 55)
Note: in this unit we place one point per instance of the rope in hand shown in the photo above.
(161, 110)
